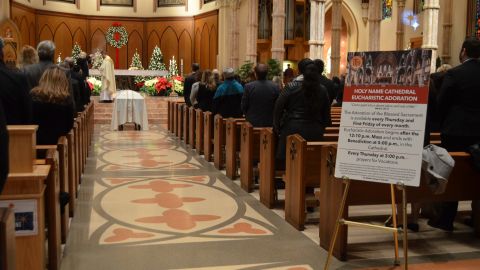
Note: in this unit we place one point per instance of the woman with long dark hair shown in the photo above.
(303, 108)
(206, 90)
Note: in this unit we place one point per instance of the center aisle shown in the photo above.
(148, 203)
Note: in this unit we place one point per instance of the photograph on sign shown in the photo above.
(383, 116)
(26, 216)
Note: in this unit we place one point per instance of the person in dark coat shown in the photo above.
(52, 106)
(76, 82)
(459, 113)
(259, 98)
(228, 97)
(326, 82)
(189, 81)
(206, 91)
(14, 96)
(303, 107)
(3, 149)
(46, 54)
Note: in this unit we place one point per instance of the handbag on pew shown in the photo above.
(437, 164)
(475, 152)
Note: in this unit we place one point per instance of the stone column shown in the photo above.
(234, 32)
(317, 28)
(400, 25)
(430, 28)
(447, 32)
(252, 31)
(374, 19)
(4, 10)
(278, 30)
(336, 36)
(227, 34)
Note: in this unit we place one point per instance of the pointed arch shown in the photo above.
(213, 48)
(169, 44)
(98, 40)
(198, 44)
(205, 47)
(63, 39)
(45, 33)
(80, 38)
(152, 41)
(135, 42)
(185, 48)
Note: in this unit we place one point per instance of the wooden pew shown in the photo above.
(232, 145)
(301, 171)
(52, 206)
(218, 141)
(169, 115)
(180, 119)
(249, 154)
(26, 181)
(7, 239)
(462, 185)
(186, 123)
(268, 143)
(191, 127)
(208, 136)
(72, 172)
(199, 131)
(64, 162)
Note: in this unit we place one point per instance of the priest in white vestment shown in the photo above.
(108, 80)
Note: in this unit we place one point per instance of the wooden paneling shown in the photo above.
(175, 36)
(206, 40)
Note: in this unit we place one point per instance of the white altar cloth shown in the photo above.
(129, 106)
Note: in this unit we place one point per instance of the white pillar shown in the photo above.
(252, 31)
(278, 30)
(227, 34)
(317, 28)
(430, 28)
(374, 19)
(447, 32)
(4, 9)
(400, 25)
(336, 36)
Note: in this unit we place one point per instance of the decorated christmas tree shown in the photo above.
(76, 52)
(136, 62)
(173, 68)
(156, 61)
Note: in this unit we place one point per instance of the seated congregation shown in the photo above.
(46, 128)
(277, 137)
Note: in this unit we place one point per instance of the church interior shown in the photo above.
(183, 188)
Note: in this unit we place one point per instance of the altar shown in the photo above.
(129, 107)
(125, 78)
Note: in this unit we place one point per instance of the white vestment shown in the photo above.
(108, 79)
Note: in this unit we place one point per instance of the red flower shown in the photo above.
(116, 24)
(116, 36)
(90, 85)
(162, 85)
(177, 78)
(140, 84)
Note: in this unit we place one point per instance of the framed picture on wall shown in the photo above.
(163, 3)
(124, 3)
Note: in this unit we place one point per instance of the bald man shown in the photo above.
(259, 98)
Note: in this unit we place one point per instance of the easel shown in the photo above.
(395, 230)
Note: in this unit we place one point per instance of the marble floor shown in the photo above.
(149, 202)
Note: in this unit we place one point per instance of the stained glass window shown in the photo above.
(386, 9)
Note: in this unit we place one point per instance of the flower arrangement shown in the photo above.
(161, 86)
(95, 85)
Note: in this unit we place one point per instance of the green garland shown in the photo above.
(123, 36)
